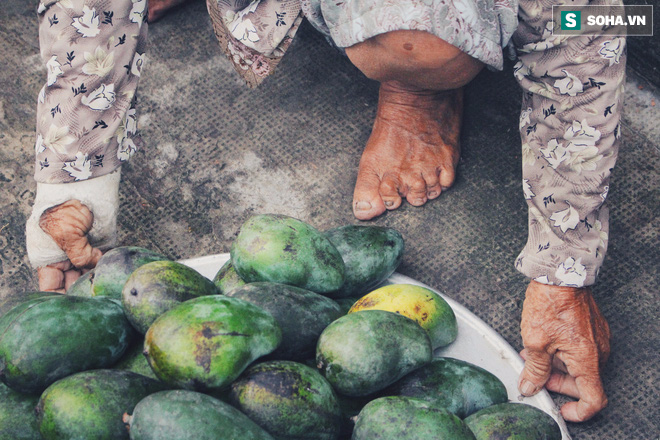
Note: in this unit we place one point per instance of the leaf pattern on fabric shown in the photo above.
(88, 24)
(571, 272)
(101, 98)
(80, 168)
(566, 219)
(54, 70)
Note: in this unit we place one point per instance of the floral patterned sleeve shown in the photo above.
(569, 124)
(86, 121)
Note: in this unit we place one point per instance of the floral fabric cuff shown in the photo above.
(255, 38)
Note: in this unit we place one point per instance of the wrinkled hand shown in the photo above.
(68, 224)
(566, 341)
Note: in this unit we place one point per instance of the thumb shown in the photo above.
(538, 366)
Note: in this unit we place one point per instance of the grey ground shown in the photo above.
(220, 152)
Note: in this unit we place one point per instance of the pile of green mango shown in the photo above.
(144, 348)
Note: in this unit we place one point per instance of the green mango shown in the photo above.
(459, 386)
(90, 405)
(82, 286)
(285, 250)
(364, 352)
(407, 418)
(156, 287)
(227, 279)
(301, 314)
(205, 343)
(289, 400)
(116, 265)
(52, 337)
(13, 301)
(513, 421)
(370, 253)
(188, 415)
(17, 418)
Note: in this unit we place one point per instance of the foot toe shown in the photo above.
(447, 177)
(367, 202)
(389, 192)
(416, 194)
(433, 187)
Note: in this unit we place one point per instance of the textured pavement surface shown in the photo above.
(219, 152)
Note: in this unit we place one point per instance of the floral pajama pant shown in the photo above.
(569, 122)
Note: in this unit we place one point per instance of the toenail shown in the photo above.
(389, 203)
(419, 201)
(434, 194)
(362, 206)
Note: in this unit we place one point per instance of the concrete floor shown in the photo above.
(219, 152)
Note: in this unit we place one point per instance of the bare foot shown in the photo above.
(158, 8)
(413, 149)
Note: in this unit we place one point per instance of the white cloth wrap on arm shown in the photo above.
(100, 195)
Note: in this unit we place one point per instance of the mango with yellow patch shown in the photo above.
(420, 304)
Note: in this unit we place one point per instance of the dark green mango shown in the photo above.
(187, 415)
(513, 421)
(364, 352)
(22, 303)
(227, 279)
(156, 287)
(82, 286)
(14, 300)
(55, 336)
(90, 405)
(301, 314)
(135, 361)
(346, 303)
(205, 343)
(285, 250)
(17, 418)
(406, 418)
(289, 400)
(350, 408)
(116, 265)
(459, 386)
(370, 253)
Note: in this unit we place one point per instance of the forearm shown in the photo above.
(86, 121)
(86, 118)
(570, 136)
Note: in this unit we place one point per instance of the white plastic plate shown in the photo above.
(477, 342)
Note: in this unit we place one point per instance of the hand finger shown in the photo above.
(557, 364)
(70, 277)
(538, 366)
(592, 400)
(81, 253)
(563, 384)
(51, 279)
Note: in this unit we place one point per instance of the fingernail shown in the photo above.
(362, 206)
(527, 388)
(389, 203)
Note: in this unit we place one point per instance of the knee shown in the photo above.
(415, 55)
